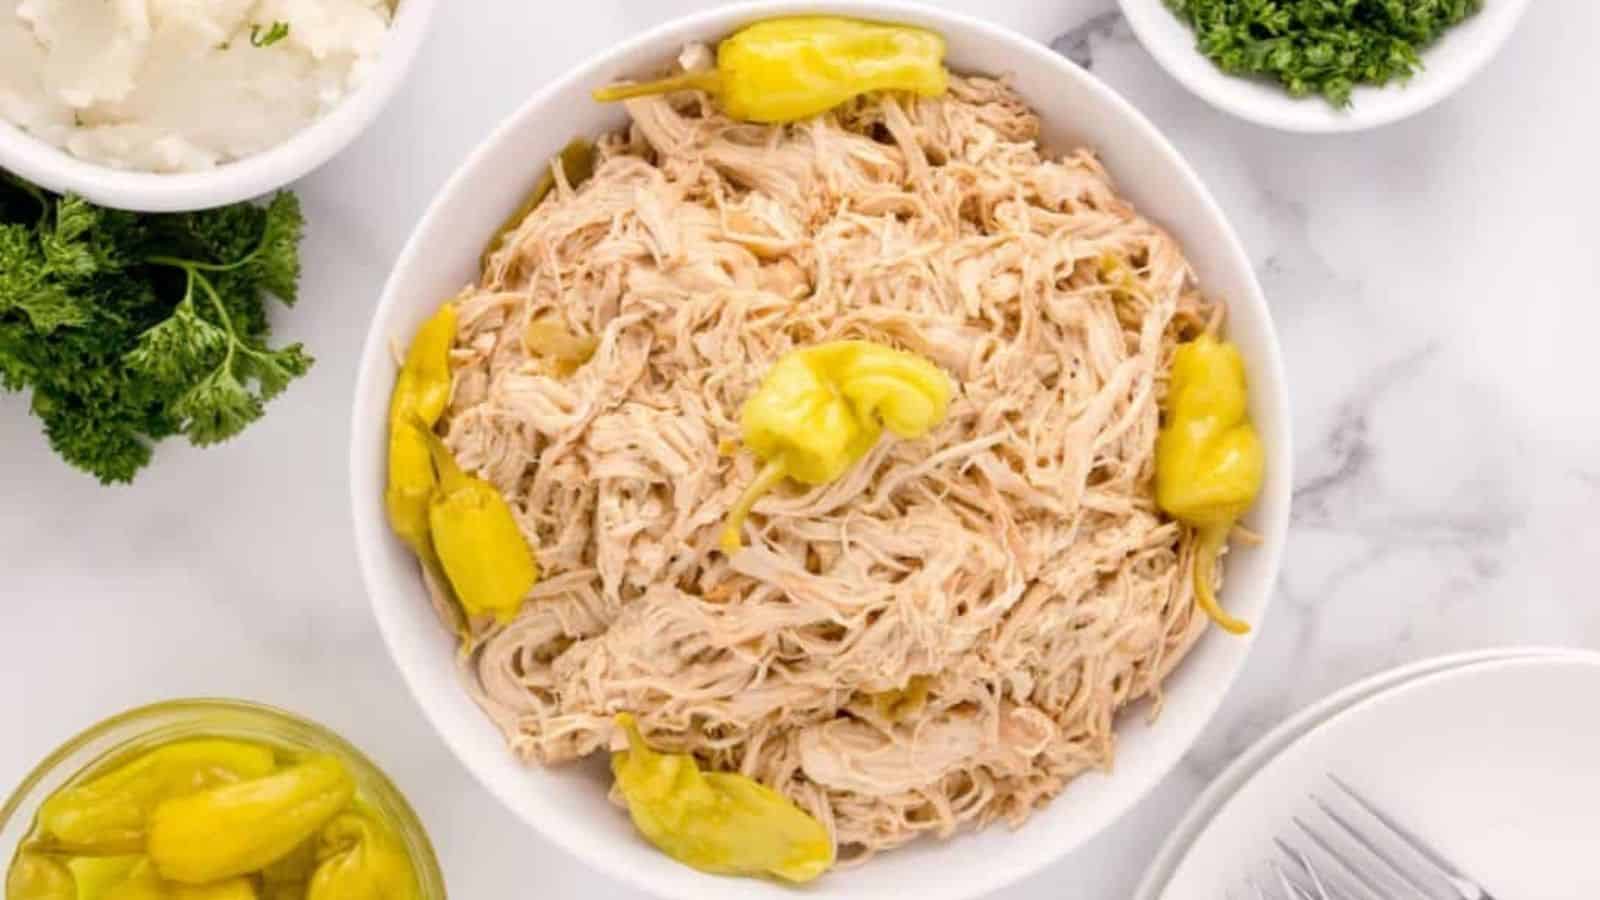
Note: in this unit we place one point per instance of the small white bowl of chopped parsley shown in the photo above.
(1323, 65)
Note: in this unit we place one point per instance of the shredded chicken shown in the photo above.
(1014, 561)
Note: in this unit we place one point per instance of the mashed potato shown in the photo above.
(180, 85)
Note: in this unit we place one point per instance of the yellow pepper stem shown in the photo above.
(708, 81)
(770, 476)
(1205, 566)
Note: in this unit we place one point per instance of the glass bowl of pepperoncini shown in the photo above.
(212, 800)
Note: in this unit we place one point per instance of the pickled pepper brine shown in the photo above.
(213, 819)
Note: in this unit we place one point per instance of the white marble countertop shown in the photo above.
(1436, 284)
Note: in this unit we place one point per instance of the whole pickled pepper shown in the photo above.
(719, 822)
(788, 69)
(360, 860)
(820, 409)
(241, 828)
(484, 555)
(111, 813)
(421, 392)
(1209, 460)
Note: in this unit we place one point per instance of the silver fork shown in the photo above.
(1351, 861)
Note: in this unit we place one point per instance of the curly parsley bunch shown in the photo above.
(1322, 47)
(130, 328)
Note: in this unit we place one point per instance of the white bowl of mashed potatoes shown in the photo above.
(165, 105)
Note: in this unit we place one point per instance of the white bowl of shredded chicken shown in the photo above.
(1008, 580)
(166, 105)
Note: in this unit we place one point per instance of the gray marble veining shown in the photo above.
(1080, 43)
(1435, 283)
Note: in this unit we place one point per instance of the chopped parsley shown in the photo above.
(260, 37)
(1324, 47)
(129, 328)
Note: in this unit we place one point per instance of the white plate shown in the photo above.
(1494, 763)
(1221, 788)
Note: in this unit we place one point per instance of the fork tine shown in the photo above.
(1371, 846)
(1304, 863)
(1294, 891)
(1285, 884)
(1335, 883)
(1343, 862)
(1415, 843)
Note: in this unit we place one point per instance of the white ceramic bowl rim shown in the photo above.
(52, 167)
(1452, 61)
(996, 857)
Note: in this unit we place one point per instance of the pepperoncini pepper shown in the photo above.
(903, 703)
(420, 394)
(237, 829)
(293, 869)
(1209, 461)
(562, 352)
(788, 69)
(110, 814)
(820, 409)
(718, 822)
(488, 561)
(35, 876)
(98, 875)
(360, 861)
(145, 883)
